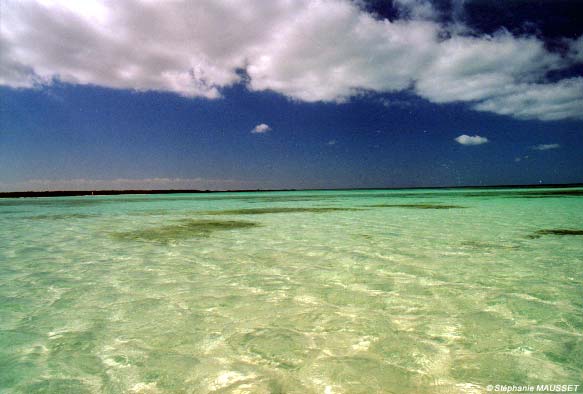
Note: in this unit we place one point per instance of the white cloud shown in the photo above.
(332, 142)
(261, 128)
(546, 146)
(471, 140)
(327, 50)
(470, 68)
(561, 100)
(331, 51)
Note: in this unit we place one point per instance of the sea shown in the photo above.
(406, 291)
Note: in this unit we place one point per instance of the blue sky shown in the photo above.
(362, 95)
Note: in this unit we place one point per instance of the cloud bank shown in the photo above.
(471, 140)
(127, 184)
(326, 50)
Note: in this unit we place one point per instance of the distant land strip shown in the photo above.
(73, 193)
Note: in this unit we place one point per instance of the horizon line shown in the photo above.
(106, 192)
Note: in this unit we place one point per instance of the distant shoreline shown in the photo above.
(76, 193)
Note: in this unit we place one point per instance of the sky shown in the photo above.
(289, 94)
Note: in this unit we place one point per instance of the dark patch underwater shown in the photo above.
(417, 206)
(484, 245)
(559, 231)
(185, 229)
(263, 211)
(63, 216)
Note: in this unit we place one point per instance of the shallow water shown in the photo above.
(406, 291)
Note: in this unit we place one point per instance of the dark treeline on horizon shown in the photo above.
(78, 193)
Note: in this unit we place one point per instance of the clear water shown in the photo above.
(384, 294)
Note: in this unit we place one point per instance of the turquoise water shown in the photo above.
(404, 291)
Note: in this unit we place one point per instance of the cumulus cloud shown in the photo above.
(261, 128)
(546, 146)
(561, 100)
(471, 140)
(331, 51)
(327, 50)
(475, 69)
